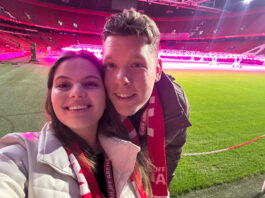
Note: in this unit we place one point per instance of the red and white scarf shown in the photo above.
(152, 122)
(87, 181)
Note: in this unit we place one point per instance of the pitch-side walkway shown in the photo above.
(248, 187)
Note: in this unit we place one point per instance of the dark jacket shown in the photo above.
(176, 113)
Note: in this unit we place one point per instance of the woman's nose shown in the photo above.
(77, 91)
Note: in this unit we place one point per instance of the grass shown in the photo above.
(22, 89)
(227, 109)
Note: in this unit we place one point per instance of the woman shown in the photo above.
(68, 158)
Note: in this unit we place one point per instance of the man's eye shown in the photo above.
(109, 65)
(137, 65)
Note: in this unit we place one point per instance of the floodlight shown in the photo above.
(247, 1)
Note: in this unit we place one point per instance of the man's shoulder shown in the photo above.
(170, 92)
(173, 100)
(167, 80)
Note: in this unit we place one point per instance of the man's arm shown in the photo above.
(176, 113)
(173, 153)
(174, 148)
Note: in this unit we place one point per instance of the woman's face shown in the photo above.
(78, 95)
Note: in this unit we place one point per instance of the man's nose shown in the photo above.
(123, 76)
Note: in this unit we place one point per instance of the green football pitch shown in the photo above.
(227, 109)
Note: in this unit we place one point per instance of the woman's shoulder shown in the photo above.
(15, 149)
(18, 138)
(20, 147)
(18, 151)
(19, 143)
(24, 139)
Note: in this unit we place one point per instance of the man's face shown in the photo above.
(131, 71)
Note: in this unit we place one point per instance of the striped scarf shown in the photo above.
(152, 122)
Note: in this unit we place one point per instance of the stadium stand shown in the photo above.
(25, 21)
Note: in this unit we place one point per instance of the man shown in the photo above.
(154, 108)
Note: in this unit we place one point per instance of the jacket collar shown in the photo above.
(173, 102)
(52, 153)
(121, 153)
(169, 95)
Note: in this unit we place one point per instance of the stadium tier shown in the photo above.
(48, 25)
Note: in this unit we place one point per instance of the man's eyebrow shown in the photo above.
(107, 58)
(137, 56)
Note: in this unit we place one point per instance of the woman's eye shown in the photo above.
(63, 85)
(90, 84)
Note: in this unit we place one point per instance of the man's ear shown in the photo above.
(158, 70)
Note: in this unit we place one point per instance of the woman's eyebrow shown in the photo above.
(92, 76)
(62, 77)
(86, 77)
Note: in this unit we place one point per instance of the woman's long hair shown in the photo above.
(64, 133)
(110, 124)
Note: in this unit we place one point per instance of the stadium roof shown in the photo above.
(164, 8)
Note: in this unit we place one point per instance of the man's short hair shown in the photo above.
(131, 22)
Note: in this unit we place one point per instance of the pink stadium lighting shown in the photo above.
(11, 55)
(175, 59)
(96, 50)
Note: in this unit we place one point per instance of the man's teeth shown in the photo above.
(79, 107)
(124, 95)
